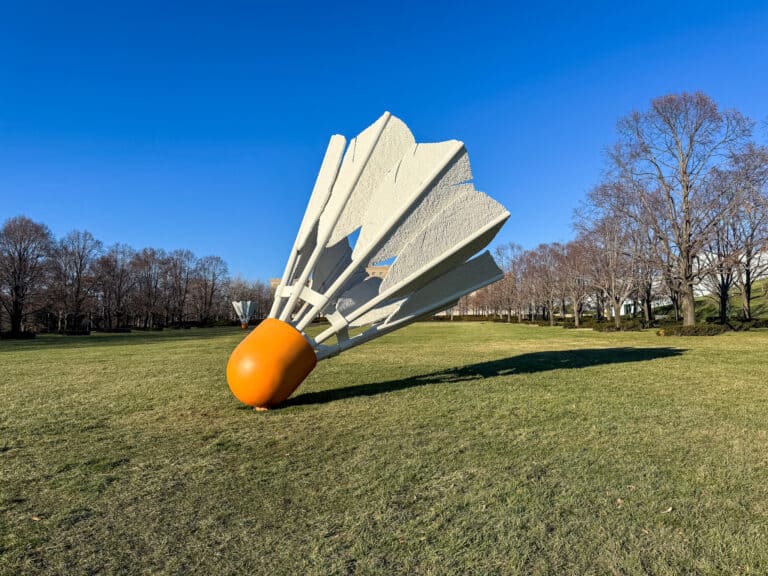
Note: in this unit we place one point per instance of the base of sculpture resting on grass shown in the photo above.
(269, 364)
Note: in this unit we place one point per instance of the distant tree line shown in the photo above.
(682, 211)
(74, 284)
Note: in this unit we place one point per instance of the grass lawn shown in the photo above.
(459, 448)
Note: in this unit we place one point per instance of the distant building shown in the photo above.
(377, 271)
(274, 283)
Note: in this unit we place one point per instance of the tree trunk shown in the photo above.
(676, 305)
(598, 307)
(746, 295)
(16, 317)
(723, 297)
(689, 306)
(616, 312)
(648, 304)
(723, 302)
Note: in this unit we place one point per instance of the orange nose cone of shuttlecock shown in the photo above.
(269, 364)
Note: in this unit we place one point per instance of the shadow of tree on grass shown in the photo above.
(523, 364)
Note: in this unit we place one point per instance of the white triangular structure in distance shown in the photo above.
(244, 310)
(413, 204)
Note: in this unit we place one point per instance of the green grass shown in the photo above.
(461, 448)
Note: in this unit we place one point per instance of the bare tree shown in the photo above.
(24, 249)
(506, 291)
(612, 264)
(75, 279)
(532, 290)
(718, 261)
(749, 176)
(146, 267)
(577, 283)
(543, 277)
(560, 261)
(211, 278)
(665, 155)
(178, 271)
(646, 262)
(116, 282)
(264, 297)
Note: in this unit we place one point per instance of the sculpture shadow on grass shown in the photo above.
(523, 364)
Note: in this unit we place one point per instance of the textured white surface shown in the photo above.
(440, 194)
(372, 154)
(377, 314)
(456, 225)
(450, 286)
(394, 142)
(332, 262)
(415, 206)
(358, 295)
(302, 254)
(405, 186)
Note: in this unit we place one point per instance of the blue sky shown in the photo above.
(202, 125)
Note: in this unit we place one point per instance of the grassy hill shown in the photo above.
(708, 306)
(446, 448)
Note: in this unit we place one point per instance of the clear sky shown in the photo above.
(202, 125)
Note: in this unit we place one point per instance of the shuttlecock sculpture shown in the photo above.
(244, 310)
(385, 200)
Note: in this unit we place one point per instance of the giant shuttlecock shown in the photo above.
(385, 200)
(244, 310)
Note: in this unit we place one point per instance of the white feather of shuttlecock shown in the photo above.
(414, 207)
(244, 310)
